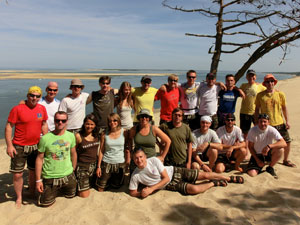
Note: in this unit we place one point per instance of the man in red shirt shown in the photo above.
(29, 120)
(169, 99)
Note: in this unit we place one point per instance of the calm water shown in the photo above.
(12, 91)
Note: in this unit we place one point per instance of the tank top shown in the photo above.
(125, 115)
(87, 150)
(147, 143)
(114, 149)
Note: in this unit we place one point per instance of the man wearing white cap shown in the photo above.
(29, 120)
(273, 103)
(74, 105)
(206, 145)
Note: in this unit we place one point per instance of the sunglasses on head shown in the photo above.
(264, 116)
(58, 120)
(33, 95)
(76, 86)
(54, 90)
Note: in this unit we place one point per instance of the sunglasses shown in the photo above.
(144, 116)
(105, 83)
(264, 116)
(147, 81)
(113, 121)
(211, 78)
(269, 81)
(76, 86)
(230, 120)
(179, 115)
(190, 77)
(58, 120)
(54, 90)
(173, 80)
(32, 96)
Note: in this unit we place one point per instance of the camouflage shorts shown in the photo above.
(181, 178)
(24, 154)
(112, 175)
(283, 132)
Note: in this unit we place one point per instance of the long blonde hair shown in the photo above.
(121, 97)
(114, 116)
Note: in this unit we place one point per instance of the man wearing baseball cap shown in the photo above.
(273, 103)
(29, 120)
(74, 105)
(143, 97)
(206, 145)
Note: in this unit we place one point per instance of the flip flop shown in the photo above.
(236, 179)
(289, 163)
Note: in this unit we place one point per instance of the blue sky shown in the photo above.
(72, 34)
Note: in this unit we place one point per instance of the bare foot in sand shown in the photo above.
(18, 204)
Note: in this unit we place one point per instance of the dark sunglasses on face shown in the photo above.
(57, 121)
(190, 77)
(54, 90)
(113, 121)
(32, 96)
(230, 120)
(147, 81)
(144, 116)
(76, 86)
(105, 83)
(173, 80)
(269, 81)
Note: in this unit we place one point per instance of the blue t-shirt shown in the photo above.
(228, 100)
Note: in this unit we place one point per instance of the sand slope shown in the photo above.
(261, 200)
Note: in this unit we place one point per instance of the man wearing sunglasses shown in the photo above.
(51, 103)
(273, 103)
(234, 146)
(29, 120)
(143, 97)
(56, 162)
(103, 101)
(74, 105)
(266, 145)
(189, 99)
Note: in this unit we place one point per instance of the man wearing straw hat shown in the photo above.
(29, 120)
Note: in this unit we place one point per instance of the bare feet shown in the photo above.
(238, 168)
(18, 204)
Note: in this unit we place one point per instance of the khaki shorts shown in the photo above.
(24, 153)
(112, 175)
(66, 185)
(84, 175)
(181, 178)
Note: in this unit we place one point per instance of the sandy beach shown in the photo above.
(260, 200)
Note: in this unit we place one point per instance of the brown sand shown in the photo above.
(261, 200)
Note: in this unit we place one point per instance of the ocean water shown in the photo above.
(12, 91)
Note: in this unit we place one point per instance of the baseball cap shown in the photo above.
(251, 72)
(146, 78)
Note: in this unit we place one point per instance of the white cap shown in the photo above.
(206, 118)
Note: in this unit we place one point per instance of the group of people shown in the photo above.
(70, 152)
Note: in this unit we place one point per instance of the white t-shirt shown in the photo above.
(262, 138)
(208, 97)
(189, 98)
(210, 136)
(51, 108)
(75, 108)
(230, 138)
(150, 175)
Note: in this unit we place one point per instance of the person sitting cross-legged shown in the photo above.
(155, 176)
(234, 146)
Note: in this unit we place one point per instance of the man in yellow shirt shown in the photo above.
(251, 89)
(143, 97)
(272, 102)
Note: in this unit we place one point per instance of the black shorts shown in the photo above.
(245, 122)
(181, 178)
(283, 132)
(111, 175)
(222, 158)
(66, 185)
(84, 175)
(203, 155)
(24, 154)
(192, 121)
(252, 165)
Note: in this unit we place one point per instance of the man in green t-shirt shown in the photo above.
(180, 152)
(56, 162)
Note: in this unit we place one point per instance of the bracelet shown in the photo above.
(269, 146)
(202, 166)
(38, 181)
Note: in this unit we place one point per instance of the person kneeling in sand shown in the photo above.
(263, 148)
(56, 162)
(155, 176)
(234, 146)
(206, 145)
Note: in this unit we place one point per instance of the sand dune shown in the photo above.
(261, 200)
